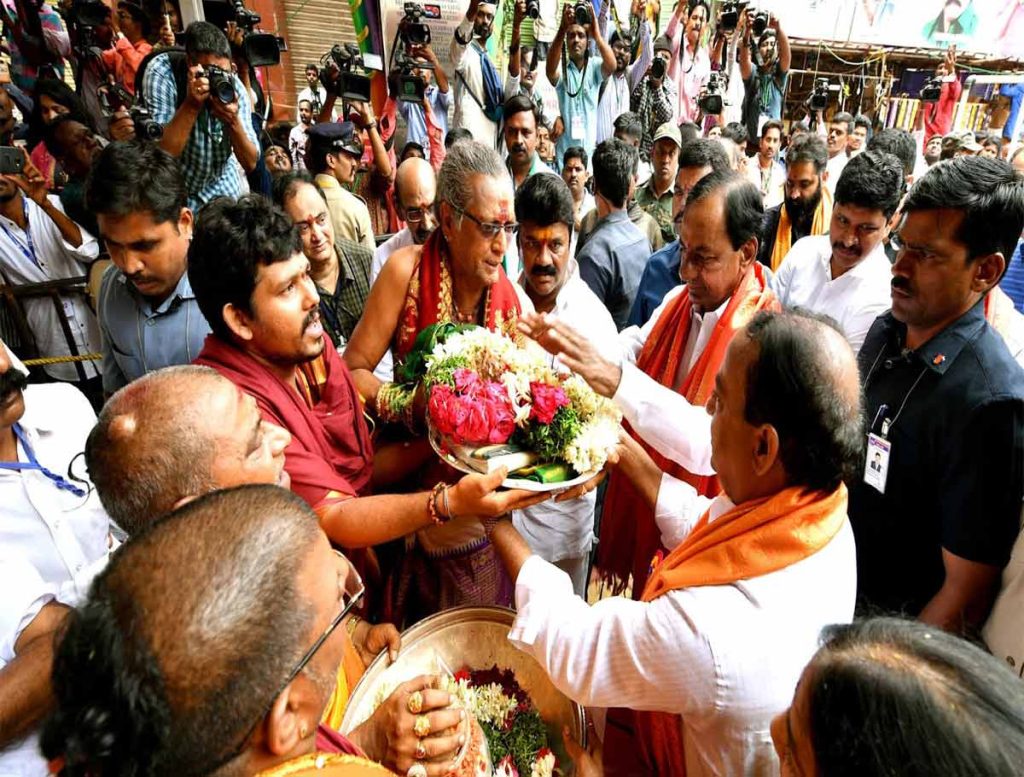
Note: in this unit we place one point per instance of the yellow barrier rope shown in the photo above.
(93, 357)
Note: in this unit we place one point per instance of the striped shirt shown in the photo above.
(208, 159)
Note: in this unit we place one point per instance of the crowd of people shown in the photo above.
(220, 501)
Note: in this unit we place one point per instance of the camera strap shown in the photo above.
(28, 248)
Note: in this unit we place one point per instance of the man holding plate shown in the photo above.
(456, 277)
(729, 618)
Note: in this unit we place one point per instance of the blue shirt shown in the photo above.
(417, 121)
(579, 113)
(956, 464)
(207, 160)
(660, 276)
(1013, 280)
(611, 262)
(138, 338)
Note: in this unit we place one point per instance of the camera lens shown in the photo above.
(221, 86)
(533, 9)
(658, 68)
(582, 12)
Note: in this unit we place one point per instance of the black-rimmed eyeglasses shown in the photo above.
(488, 229)
(352, 592)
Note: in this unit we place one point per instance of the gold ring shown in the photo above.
(421, 726)
(415, 703)
(421, 751)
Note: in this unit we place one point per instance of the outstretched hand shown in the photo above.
(575, 351)
(477, 495)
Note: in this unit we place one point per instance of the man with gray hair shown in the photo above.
(455, 277)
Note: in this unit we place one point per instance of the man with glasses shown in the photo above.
(247, 692)
(339, 268)
(456, 277)
(54, 538)
(661, 273)
(415, 200)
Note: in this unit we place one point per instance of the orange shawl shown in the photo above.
(349, 672)
(751, 540)
(629, 535)
(428, 299)
(784, 234)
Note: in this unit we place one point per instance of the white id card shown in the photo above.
(576, 128)
(876, 466)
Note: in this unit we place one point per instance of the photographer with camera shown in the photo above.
(435, 96)
(130, 26)
(35, 40)
(315, 94)
(205, 111)
(579, 80)
(654, 98)
(615, 94)
(765, 72)
(75, 146)
(938, 116)
(522, 65)
(690, 66)
(478, 90)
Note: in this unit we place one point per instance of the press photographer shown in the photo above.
(410, 67)
(654, 98)
(478, 90)
(765, 72)
(205, 111)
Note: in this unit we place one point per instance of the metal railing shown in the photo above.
(12, 296)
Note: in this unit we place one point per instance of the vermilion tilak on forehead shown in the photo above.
(503, 214)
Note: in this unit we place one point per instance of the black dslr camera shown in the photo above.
(350, 82)
(818, 101)
(114, 97)
(222, 84)
(583, 13)
(84, 17)
(760, 23)
(931, 91)
(533, 8)
(658, 68)
(712, 102)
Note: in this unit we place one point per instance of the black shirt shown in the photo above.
(770, 228)
(956, 466)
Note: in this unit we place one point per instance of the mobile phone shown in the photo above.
(12, 161)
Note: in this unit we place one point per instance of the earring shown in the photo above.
(303, 730)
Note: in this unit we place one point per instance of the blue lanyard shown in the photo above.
(32, 464)
(29, 251)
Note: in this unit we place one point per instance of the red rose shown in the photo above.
(547, 400)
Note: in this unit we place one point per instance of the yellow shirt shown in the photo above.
(349, 214)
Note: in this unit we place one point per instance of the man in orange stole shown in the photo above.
(456, 276)
(730, 617)
(677, 354)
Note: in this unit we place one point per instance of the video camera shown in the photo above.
(352, 81)
(412, 30)
(818, 101)
(259, 48)
(730, 16)
(84, 17)
(931, 91)
(114, 97)
(711, 101)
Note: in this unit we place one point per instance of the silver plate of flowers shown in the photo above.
(474, 637)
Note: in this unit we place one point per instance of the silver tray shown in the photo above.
(476, 637)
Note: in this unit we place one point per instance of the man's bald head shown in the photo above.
(415, 194)
(805, 383)
(174, 434)
(186, 637)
